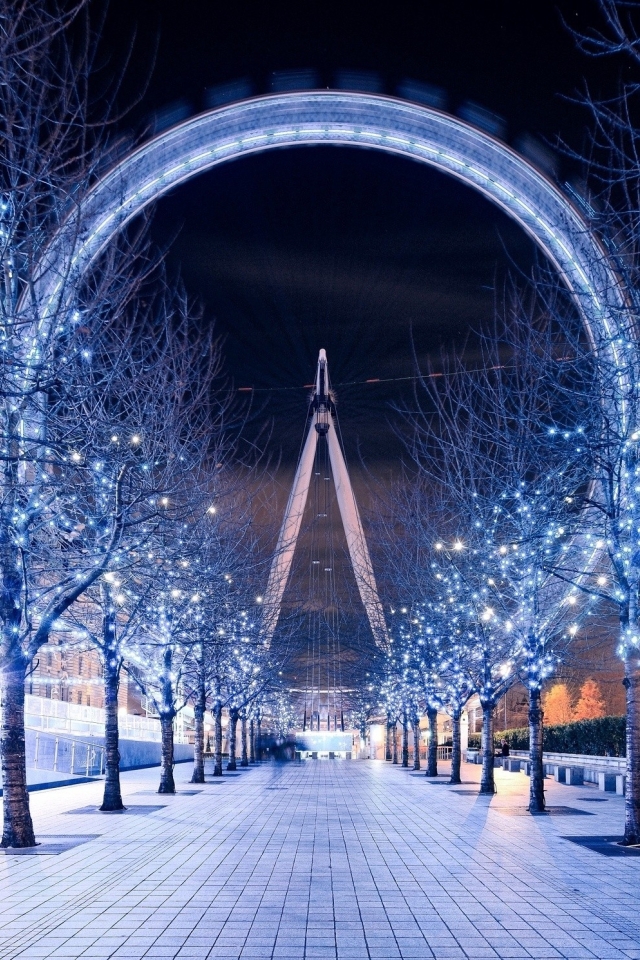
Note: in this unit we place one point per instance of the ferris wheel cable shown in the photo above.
(337, 647)
(332, 604)
(311, 626)
(319, 528)
(333, 609)
(339, 664)
(327, 589)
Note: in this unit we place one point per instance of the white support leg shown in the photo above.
(358, 550)
(283, 558)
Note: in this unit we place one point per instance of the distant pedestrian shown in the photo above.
(505, 748)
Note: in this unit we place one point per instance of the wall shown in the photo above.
(143, 753)
(41, 753)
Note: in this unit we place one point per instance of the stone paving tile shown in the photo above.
(353, 861)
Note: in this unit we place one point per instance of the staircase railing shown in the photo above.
(48, 751)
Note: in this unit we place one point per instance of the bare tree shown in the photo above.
(484, 439)
(152, 428)
(164, 642)
(232, 665)
(465, 573)
(282, 711)
(48, 162)
(609, 567)
(361, 707)
(416, 659)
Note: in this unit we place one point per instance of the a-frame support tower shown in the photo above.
(322, 424)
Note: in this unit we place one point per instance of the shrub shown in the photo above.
(518, 738)
(599, 737)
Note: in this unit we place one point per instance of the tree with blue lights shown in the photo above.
(157, 421)
(227, 630)
(470, 598)
(486, 441)
(362, 704)
(602, 566)
(607, 567)
(50, 158)
(416, 657)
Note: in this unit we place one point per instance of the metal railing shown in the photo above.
(444, 753)
(46, 751)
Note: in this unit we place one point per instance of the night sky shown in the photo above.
(370, 256)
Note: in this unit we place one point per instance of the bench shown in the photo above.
(576, 770)
(607, 782)
(572, 776)
(499, 762)
(512, 764)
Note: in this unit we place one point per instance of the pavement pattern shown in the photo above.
(326, 859)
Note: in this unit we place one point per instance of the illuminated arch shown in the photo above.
(342, 118)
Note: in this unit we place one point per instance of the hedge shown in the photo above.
(604, 736)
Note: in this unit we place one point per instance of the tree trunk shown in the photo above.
(632, 791)
(456, 753)
(487, 781)
(259, 737)
(363, 741)
(217, 740)
(405, 739)
(432, 750)
(198, 741)
(233, 723)
(394, 741)
(244, 762)
(18, 826)
(252, 741)
(167, 783)
(112, 799)
(536, 783)
(415, 723)
(387, 751)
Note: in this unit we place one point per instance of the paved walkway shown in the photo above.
(328, 859)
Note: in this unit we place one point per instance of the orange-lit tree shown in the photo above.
(557, 704)
(590, 706)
